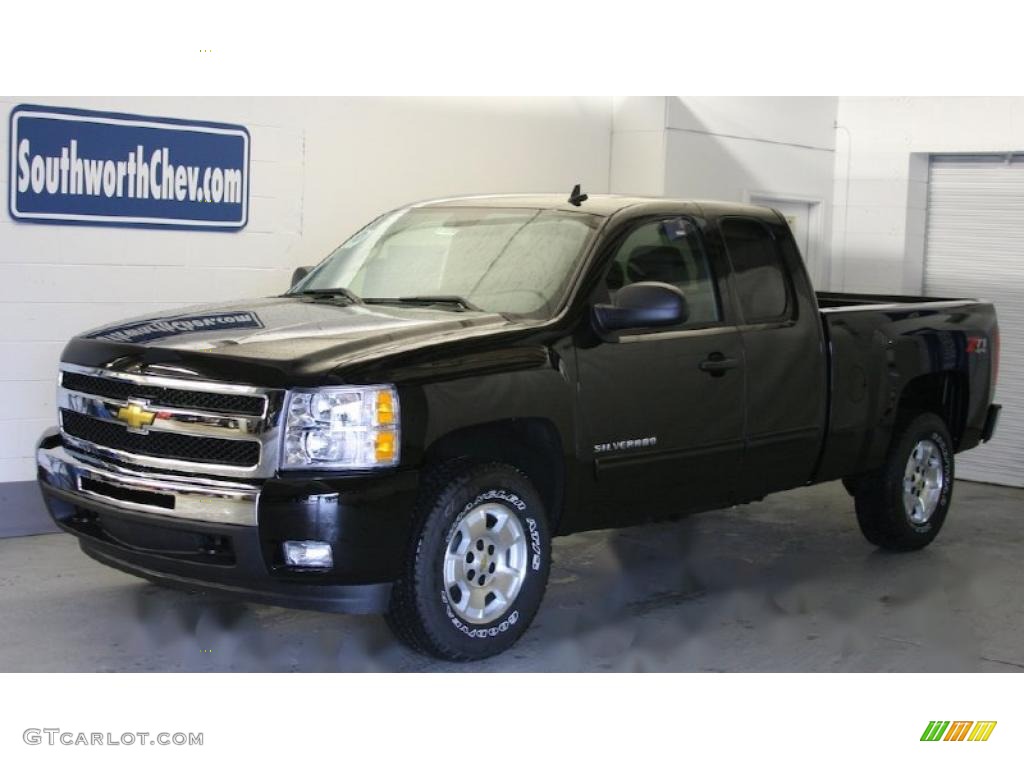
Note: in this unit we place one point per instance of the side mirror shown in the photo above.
(299, 274)
(643, 305)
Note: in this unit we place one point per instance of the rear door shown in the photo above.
(785, 357)
(662, 410)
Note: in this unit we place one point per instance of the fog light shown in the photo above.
(308, 554)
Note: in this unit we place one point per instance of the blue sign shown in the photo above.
(74, 166)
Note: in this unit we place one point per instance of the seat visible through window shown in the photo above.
(667, 251)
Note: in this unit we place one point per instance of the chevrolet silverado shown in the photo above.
(407, 427)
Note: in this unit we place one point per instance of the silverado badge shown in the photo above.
(626, 445)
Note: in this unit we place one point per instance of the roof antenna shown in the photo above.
(576, 197)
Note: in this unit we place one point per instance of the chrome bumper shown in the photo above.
(185, 498)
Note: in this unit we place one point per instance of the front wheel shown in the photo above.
(478, 565)
(902, 505)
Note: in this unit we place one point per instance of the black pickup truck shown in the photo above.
(406, 428)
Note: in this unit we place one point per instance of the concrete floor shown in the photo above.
(784, 585)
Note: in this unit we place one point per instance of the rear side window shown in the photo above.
(761, 280)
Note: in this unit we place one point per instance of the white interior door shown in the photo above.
(798, 216)
(975, 248)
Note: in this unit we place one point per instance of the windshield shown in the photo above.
(509, 260)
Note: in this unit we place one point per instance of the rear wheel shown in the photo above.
(902, 505)
(478, 565)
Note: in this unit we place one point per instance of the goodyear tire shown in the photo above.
(477, 566)
(902, 505)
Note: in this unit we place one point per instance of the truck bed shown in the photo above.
(877, 344)
(834, 300)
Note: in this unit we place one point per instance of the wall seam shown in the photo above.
(750, 138)
(664, 145)
(611, 141)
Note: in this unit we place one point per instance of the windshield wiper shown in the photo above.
(345, 293)
(456, 302)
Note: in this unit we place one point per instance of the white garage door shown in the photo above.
(975, 247)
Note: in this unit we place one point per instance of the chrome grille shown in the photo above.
(120, 389)
(167, 445)
(170, 423)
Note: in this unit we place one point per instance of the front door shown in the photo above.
(662, 410)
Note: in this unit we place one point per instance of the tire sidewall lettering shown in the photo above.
(535, 559)
(518, 505)
(947, 467)
(478, 633)
(496, 494)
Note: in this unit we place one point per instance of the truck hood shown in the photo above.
(275, 340)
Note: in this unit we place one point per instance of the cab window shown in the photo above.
(668, 251)
(762, 283)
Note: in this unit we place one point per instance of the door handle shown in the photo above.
(717, 364)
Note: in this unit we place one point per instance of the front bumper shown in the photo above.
(200, 533)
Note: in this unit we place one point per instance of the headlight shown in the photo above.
(342, 428)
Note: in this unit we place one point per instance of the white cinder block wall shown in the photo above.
(320, 169)
(323, 167)
(728, 148)
(881, 178)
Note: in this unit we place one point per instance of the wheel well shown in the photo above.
(944, 394)
(531, 445)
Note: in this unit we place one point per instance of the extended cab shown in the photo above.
(406, 428)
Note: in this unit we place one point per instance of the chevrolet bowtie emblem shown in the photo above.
(135, 416)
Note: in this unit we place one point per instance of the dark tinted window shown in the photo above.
(668, 251)
(760, 275)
